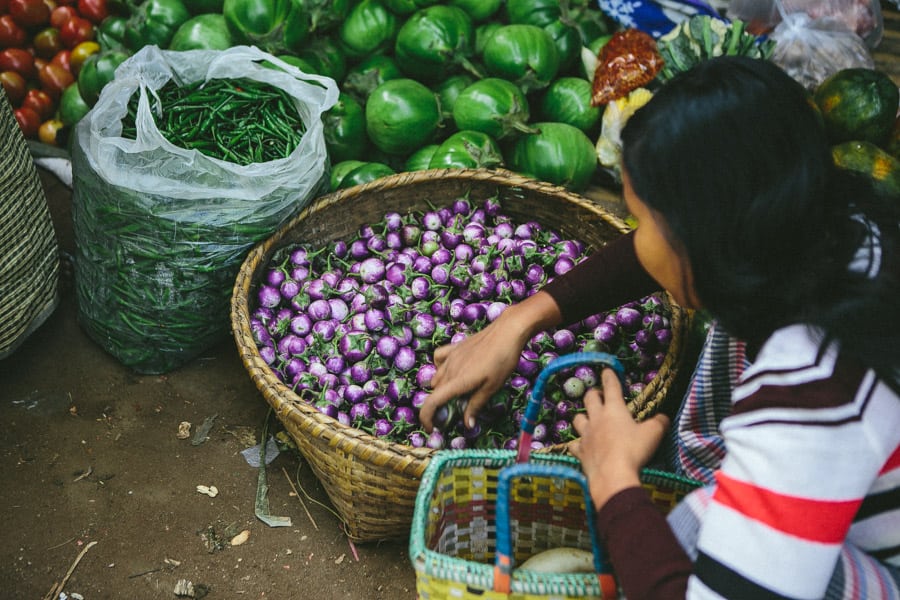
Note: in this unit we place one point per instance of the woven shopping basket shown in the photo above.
(29, 256)
(478, 514)
(371, 482)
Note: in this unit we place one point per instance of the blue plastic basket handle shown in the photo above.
(503, 562)
(529, 420)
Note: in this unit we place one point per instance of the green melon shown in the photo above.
(871, 161)
(893, 142)
(858, 104)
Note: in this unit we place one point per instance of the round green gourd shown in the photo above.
(858, 104)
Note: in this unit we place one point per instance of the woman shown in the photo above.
(742, 213)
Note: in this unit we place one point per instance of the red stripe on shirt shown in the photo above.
(824, 521)
(893, 462)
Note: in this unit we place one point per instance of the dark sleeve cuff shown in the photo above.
(606, 279)
(647, 559)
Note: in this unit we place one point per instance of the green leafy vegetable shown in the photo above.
(703, 37)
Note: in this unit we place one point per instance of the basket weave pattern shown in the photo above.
(29, 257)
(371, 482)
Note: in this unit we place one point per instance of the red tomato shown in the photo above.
(14, 85)
(18, 60)
(61, 14)
(30, 14)
(76, 30)
(11, 34)
(93, 10)
(46, 42)
(63, 58)
(40, 102)
(29, 121)
(54, 79)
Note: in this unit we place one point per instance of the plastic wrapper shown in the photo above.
(810, 50)
(860, 16)
(161, 231)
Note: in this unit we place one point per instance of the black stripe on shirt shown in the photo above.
(812, 396)
(878, 503)
(730, 584)
(820, 356)
(884, 554)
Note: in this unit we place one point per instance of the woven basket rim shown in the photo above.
(290, 405)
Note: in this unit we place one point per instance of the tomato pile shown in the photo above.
(43, 46)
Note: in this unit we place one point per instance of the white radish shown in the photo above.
(561, 560)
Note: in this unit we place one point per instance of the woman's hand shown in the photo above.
(479, 365)
(613, 447)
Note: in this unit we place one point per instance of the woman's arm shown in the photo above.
(608, 278)
(480, 365)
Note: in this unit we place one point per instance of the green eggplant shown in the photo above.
(523, 54)
(275, 26)
(345, 129)
(568, 100)
(420, 159)
(435, 42)
(558, 153)
(493, 106)
(154, 22)
(401, 115)
(370, 28)
(207, 31)
(467, 150)
(367, 75)
(364, 173)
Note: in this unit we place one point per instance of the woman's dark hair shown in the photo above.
(733, 155)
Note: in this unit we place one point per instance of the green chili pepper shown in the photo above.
(238, 120)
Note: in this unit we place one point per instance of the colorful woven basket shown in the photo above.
(454, 536)
(480, 513)
(371, 482)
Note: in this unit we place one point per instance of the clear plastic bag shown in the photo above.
(160, 230)
(860, 16)
(811, 49)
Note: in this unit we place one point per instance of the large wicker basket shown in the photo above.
(371, 482)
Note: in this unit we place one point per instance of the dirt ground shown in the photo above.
(92, 468)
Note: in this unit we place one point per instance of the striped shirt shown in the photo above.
(812, 475)
(806, 501)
